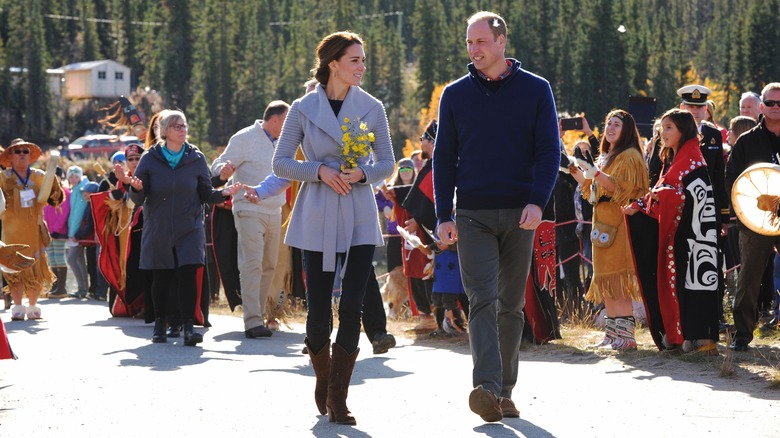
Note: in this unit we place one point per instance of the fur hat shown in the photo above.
(5, 157)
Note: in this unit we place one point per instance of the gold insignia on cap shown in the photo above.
(712, 141)
(696, 94)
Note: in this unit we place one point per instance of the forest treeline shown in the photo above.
(222, 61)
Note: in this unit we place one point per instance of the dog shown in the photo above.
(395, 293)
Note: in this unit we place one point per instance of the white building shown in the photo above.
(94, 79)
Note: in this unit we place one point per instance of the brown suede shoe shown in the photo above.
(485, 404)
(508, 408)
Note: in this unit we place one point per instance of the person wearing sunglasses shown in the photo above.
(21, 186)
(758, 145)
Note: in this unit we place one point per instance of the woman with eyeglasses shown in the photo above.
(22, 186)
(172, 182)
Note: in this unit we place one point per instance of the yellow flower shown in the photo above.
(346, 120)
(363, 126)
(344, 128)
(371, 137)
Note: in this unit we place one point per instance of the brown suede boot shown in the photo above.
(321, 364)
(341, 366)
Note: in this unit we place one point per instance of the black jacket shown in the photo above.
(712, 149)
(758, 145)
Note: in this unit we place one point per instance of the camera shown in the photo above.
(571, 124)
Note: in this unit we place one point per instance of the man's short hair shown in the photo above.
(275, 108)
(769, 87)
(496, 22)
(748, 95)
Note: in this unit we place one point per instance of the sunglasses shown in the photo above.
(771, 103)
(133, 158)
(22, 151)
(405, 169)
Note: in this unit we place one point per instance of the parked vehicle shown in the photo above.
(99, 144)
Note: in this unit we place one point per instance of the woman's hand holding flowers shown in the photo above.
(333, 179)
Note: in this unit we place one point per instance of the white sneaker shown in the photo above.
(17, 313)
(33, 312)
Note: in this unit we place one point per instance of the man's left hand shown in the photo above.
(531, 217)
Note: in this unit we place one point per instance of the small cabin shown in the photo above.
(95, 79)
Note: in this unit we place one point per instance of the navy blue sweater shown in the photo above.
(501, 150)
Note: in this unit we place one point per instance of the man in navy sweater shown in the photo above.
(497, 144)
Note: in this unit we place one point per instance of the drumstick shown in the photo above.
(48, 179)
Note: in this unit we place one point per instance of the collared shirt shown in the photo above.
(270, 137)
(502, 76)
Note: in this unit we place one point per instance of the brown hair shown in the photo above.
(629, 136)
(741, 124)
(686, 124)
(275, 108)
(151, 132)
(496, 23)
(332, 48)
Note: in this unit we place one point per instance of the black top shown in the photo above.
(335, 105)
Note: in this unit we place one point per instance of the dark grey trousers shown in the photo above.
(755, 250)
(495, 258)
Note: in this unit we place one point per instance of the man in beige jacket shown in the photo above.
(248, 158)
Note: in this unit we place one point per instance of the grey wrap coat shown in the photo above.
(322, 220)
(173, 208)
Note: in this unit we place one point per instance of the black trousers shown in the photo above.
(319, 296)
(374, 316)
(178, 286)
(422, 294)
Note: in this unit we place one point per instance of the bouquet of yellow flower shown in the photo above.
(355, 143)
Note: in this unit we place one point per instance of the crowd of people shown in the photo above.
(296, 199)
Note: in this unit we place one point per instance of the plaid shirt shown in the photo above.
(503, 75)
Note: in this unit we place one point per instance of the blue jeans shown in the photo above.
(77, 260)
(495, 258)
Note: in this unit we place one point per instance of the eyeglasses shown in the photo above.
(22, 151)
(179, 127)
(405, 169)
(771, 103)
(133, 158)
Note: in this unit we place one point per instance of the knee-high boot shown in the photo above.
(341, 366)
(321, 364)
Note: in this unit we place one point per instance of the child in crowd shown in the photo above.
(447, 286)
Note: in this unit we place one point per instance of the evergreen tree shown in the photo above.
(175, 53)
(763, 34)
(89, 37)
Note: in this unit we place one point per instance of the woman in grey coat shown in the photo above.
(173, 181)
(335, 213)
